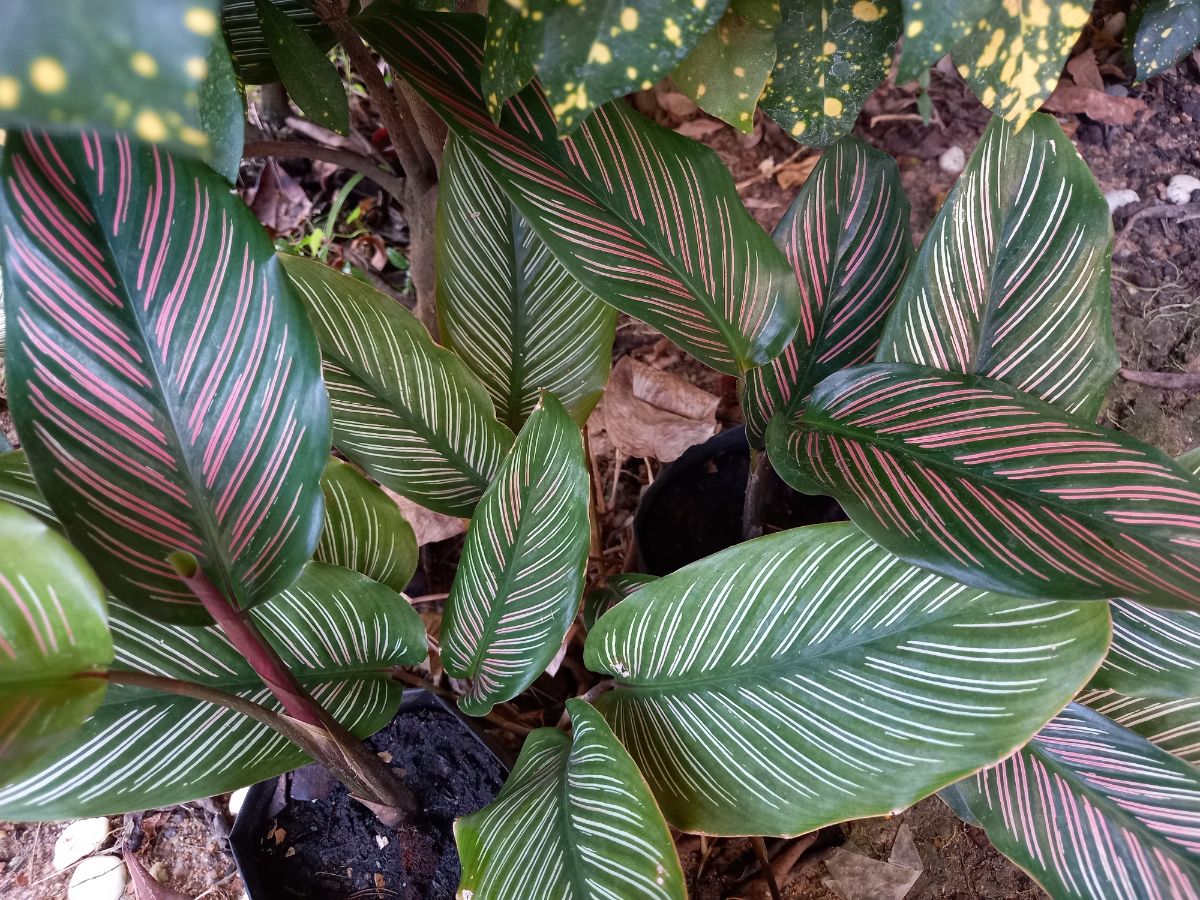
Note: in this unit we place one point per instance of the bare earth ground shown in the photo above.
(1156, 317)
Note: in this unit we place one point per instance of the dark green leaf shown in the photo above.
(18, 487)
(809, 677)
(1166, 31)
(728, 68)
(510, 49)
(165, 381)
(520, 579)
(310, 78)
(223, 112)
(600, 600)
(1173, 725)
(515, 316)
(251, 56)
(1155, 653)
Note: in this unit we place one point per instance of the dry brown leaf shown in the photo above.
(676, 104)
(698, 128)
(1084, 70)
(429, 526)
(794, 174)
(279, 201)
(650, 413)
(1071, 98)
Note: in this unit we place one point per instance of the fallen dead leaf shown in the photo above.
(859, 877)
(650, 413)
(429, 526)
(279, 201)
(1073, 98)
(145, 885)
(1084, 70)
(279, 836)
(698, 128)
(676, 104)
(794, 174)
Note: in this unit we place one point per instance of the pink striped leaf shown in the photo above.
(165, 381)
(53, 627)
(1012, 280)
(1093, 811)
(646, 219)
(520, 580)
(978, 481)
(846, 236)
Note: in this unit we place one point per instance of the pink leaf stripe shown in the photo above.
(980, 482)
(1091, 810)
(846, 236)
(645, 218)
(1173, 725)
(167, 390)
(1011, 281)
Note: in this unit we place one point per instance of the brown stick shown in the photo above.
(760, 850)
(1168, 381)
(347, 159)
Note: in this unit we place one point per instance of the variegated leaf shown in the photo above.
(809, 677)
(239, 22)
(574, 819)
(511, 311)
(53, 628)
(1173, 725)
(406, 410)
(364, 529)
(338, 631)
(1091, 810)
(831, 54)
(587, 52)
(1165, 31)
(520, 580)
(18, 487)
(645, 218)
(1155, 653)
(1012, 280)
(165, 382)
(846, 236)
(600, 600)
(977, 481)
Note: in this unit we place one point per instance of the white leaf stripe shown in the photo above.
(1173, 725)
(574, 820)
(520, 579)
(1154, 653)
(1011, 281)
(18, 487)
(409, 412)
(509, 309)
(810, 677)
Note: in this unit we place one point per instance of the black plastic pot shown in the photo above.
(287, 846)
(694, 507)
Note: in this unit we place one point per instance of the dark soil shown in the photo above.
(335, 848)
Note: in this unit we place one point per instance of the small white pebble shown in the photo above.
(953, 160)
(81, 838)
(236, 799)
(98, 878)
(1180, 187)
(1117, 199)
(381, 841)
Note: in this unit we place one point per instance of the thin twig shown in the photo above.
(347, 159)
(1168, 381)
(1186, 212)
(760, 850)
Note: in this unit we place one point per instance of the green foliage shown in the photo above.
(310, 78)
(1163, 33)
(247, 43)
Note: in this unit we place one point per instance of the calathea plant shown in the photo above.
(194, 595)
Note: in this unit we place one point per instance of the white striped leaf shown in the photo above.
(1173, 725)
(248, 45)
(53, 627)
(511, 311)
(165, 382)
(1093, 811)
(846, 236)
(1166, 30)
(338, 631)
(520, 579)
(600, 600)
(809, 677)
(646, 219)
(18, 487)
(573, 820)
(1012, 279)
(1155, 653)
(971, 478)
(404, 409)
(364, 529)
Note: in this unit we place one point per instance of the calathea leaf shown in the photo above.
(1090, 809)
(646, 219)
(53, 629)
(1155, 653)
(128, 65)
(510, 310)
(1173, 725)
(1011, 281)
(971, 478)
(600, 600)
(810, 677)
(410, 413)
(574, 819)
(307, 73)
(1190, 461)
(846, 236)
(18, 487)
(831, 54)
(364, 529)
(1165, 31)
(240, 23)
(143, 748)
(165, 381)
(589, 52)
(520, 579)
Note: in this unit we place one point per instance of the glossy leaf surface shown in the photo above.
(240, 23)
(53, 626)
(338, 631)
(574, 819)
(520, 580)
(1012, 280)
(970, 478)
(646, 219)
(728, 68)
(1155, 653)
(809, 677)
(1173, 725)
(364, 529)
(831, 54)
(165, 381)
(507, 307)
(846, 236)
(406, 410)
(312, 81)
(1166, 31)
(1091, 810)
